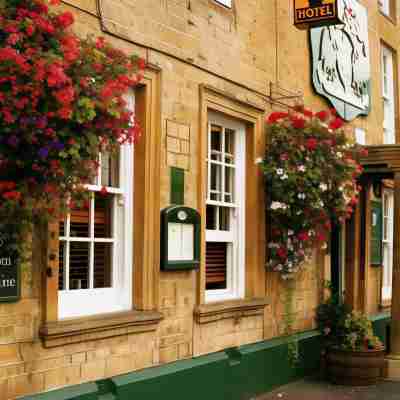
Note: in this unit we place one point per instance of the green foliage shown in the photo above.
(343, 328)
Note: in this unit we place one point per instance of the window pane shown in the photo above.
(211, 219)
(80, 222)
(229, 146)
(61, 227)
(79, 259)
(109, 170)
(216, 265)
(102, 265)
(224, 218)
(229, 175)
(215, 182)
(61, 263)
(216, 143)
(102, 215)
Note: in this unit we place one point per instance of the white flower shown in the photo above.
(301, 196)
(321, 204)
(273, 245)
(258, 160)
(311, 232)
(279, 171)
(339, 154)
(341, 188)
(276, 205)
(290, 232)
(301, 168)
(283, 177)
(323, 187)
(299, 212)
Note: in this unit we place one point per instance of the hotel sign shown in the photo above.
(341, 69)
(9, 269)
(311, 13)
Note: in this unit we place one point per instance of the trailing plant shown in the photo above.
(311, 176)
(62, 101)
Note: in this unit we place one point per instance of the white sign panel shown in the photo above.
(180, 242)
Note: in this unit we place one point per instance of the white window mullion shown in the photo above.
(66, 263)
(91, 254)
(222, 187)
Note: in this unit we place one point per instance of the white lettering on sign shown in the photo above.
(5, 261)
(6, 283)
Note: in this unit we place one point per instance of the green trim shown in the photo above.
(381, 327)
(173, 214)
(236, 373)
(177, 189)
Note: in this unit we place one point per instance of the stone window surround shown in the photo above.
(252, 115)
(144, 317)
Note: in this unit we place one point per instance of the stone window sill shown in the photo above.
(103, 326)
(236, 309)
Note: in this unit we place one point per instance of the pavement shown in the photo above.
(315, 389)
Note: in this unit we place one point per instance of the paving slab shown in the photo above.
(315, 389)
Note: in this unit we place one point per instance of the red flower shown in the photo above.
(141, 63)
(303, 236)
(103, 191)
(275, 116)
(7, 185)
(13, 195)
(336, 123)
(353, 201)
(65, 19)
(322, 115)
(55, 2)
(308, 113)
(100, 42)
(311, 144)
(282, 252)
(321, 237)
(298, 122)
(65, 96)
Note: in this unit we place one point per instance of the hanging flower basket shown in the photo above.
(311, 176)
(61, 103)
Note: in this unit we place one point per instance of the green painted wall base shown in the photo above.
(381, 326)
(235, 374)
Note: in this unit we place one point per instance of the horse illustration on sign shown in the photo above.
(341, 67)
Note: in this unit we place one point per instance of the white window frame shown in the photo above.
(387, 243)
(86, 302)
(235, 279)
(388, 95)
(226, 3)
(384, 6)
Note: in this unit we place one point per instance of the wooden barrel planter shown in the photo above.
(355, 368)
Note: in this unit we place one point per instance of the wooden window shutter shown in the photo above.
(216, 265)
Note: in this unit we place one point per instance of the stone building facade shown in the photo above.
(241, 62)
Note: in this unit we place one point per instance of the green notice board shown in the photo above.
(10, 283)
(376, 233)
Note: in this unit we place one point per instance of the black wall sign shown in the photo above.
(10, 283)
